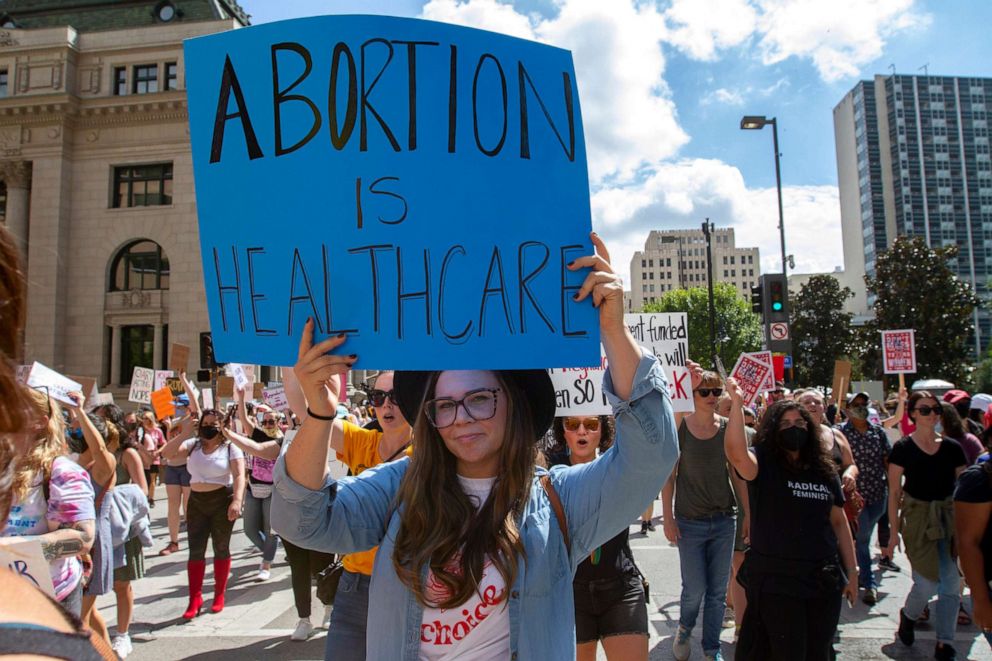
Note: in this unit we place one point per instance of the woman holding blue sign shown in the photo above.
(478, 547)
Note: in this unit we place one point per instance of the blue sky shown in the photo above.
(665, 149)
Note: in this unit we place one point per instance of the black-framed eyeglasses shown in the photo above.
(268, 422)
(378, 397)
(777, 391)
(707, 392)
(48, 398)
(479, 404)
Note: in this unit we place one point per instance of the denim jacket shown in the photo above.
(600, 498)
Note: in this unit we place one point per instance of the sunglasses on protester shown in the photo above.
(479, 404)
(378, 397)
(707, 392)
(268, 422)
(927, 410)
(573, 424)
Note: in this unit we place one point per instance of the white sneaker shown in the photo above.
(121, 645)
(263, 574)
(303, 630)
(325, 622)
(680, 645)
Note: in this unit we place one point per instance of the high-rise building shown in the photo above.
(913, 159)
(676, 259)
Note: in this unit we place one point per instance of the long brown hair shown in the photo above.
(812, 455)
(440, 526)
(50, 443)
(14, 407)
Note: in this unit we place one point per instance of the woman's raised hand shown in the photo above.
(317, 371)
(605, 286)
(734, 390)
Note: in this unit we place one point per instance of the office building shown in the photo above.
(676, 259)
(913, 159)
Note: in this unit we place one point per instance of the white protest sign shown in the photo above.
(751, 374)
(579, 391)
(241, 381)
(276, 398)
(208, 398)
(899, 351)
(766, 358)
(161, 376)
(142, 384)
(23, 556)
(58, 386)
(101, 399)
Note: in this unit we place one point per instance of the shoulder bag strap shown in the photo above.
(559, 510)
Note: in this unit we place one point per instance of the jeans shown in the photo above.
(349, 619)
(304, 564)
(946, 589)
(257, 525)
(862, 542)
(706, 548)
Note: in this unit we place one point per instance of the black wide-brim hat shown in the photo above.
(410, 387)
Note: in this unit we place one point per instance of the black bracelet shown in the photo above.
(320, 417)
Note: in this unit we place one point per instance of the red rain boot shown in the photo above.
(222, 570)
(194, 572)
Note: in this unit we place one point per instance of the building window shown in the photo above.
(142, 185)
(171, 76)
(4, 89)
(140, 264)
(144, 79)
(120, 81)
(137, 349)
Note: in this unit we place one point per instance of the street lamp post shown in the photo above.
(707, 233)
(757, 122)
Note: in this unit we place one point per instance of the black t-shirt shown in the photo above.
(928, 477)
(612, 559)
(790, 511)
(975, 486)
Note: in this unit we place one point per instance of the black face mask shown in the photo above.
(209, 433)
(793, 438)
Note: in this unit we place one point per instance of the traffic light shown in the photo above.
(757, 299)
(207, 360)
(778, 297)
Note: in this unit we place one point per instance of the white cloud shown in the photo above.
(632, 130)
(701, 27)
(840, 36)
(627, 112)
(725, 96)
(683, 193)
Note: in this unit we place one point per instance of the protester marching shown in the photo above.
(435, 419)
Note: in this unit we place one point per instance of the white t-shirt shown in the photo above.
(213, 468)
(479, 629)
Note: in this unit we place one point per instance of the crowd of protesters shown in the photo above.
(503, 530)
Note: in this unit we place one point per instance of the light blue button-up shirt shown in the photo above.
(600, 499)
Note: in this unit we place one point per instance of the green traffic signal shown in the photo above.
(777, 306)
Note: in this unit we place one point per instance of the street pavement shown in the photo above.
(259, 617)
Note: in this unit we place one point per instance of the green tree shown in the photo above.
(738, 330)
(821, 330)
(915, 288)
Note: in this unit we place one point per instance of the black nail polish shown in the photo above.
(575, 297)
(340, 336)
(570, 263)
(353, 356)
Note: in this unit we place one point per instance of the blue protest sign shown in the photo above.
(416, 185)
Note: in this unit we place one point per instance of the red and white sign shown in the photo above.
(766, 358)
(752, 375)
(779, 330)
(899, 351)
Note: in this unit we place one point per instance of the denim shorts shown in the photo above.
(177, 475)
(610, 607)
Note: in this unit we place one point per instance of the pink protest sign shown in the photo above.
(899, 351)
(751, 374)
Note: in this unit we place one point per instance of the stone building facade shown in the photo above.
(95, 162)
